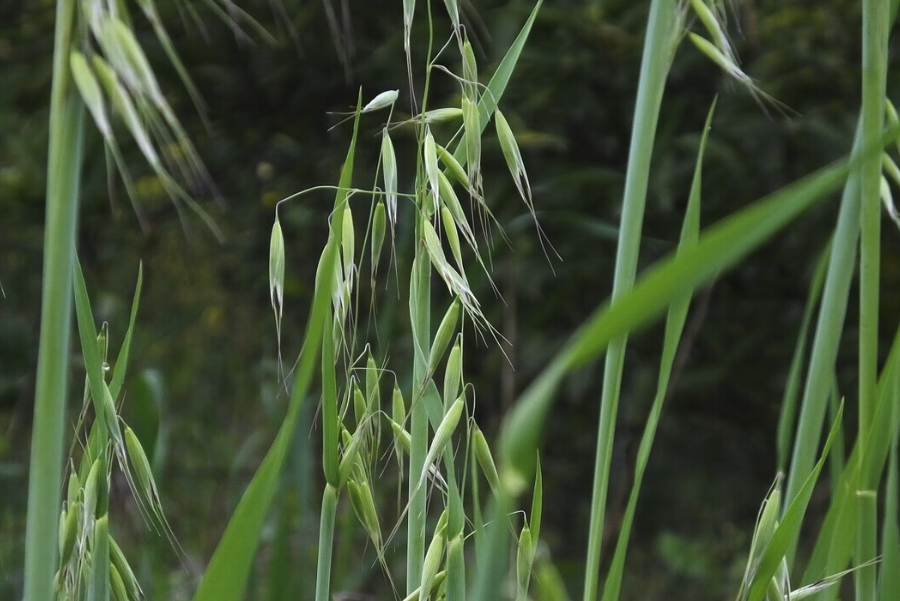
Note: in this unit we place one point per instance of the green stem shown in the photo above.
(415, 554)
(63, 180)
(654, 69)
(874, 63)
(420, 314)
(326, 540)
(829, 326)
(874, 67)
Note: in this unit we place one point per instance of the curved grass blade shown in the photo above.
(87, 331)
(786, 419)
(115, 384)
(722, 246)
(226, 576)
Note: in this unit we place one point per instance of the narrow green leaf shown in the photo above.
(675, 321)
(787, 415)
(717, 250)
(87, 331)
(118, 378)
(495, 88)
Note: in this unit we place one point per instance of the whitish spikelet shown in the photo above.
(383, 100)
(125, 107)
(513, 158)
(149, 9)
(731, 68)
(276, 275)
(409, 9)
(457, 284)
(453, 11)
(348, 242)
(472, 129)
(431, 167)
(441, 115)
(714, 27)
(389, 172)
(887, 200)
(90, 92)
(470, 69)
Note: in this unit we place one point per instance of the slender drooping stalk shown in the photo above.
(874, 70)
(63, 176)
(658, 46)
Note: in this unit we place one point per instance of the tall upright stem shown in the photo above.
(420, 314)
(63, 170)
(654, 69)
(874, 68)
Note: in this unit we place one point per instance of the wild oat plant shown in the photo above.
(465, 536)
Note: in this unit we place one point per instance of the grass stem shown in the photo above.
(654, 69)
(874, 71)
(63, 177)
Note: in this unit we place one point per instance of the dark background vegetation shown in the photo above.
(205, 358)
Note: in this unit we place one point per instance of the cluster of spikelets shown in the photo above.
(351, 446)
(91, 564)
(778, 586)
(352, 401)
(115, 79)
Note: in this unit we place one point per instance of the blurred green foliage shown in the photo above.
(204, 360)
